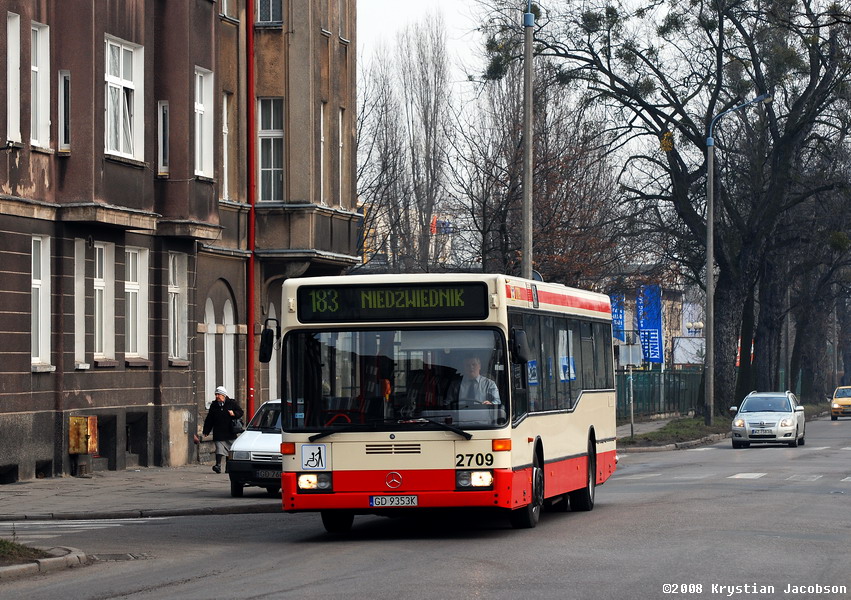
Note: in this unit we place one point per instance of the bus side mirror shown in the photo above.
(520, 352)
(267, 340)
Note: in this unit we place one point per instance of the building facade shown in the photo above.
(164, 166)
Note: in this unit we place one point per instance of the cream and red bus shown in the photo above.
(375, 417)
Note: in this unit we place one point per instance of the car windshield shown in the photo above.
(842, 393)
(766, 404)
(392, 379)
(267, 418)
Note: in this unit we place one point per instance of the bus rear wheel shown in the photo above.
(528, 516)
(584, 499)
(337, 521)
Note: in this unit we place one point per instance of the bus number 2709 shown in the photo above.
(470, 460)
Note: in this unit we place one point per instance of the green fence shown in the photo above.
(683, 392)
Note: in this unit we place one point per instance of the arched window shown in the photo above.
(209, 353)
(228, 351)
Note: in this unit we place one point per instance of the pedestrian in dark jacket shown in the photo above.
(222, 411)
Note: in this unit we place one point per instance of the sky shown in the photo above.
(380, 20)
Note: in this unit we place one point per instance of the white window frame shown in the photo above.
(178, 306)
(322, 200)
(40, 300)
(203, 122)
(80, 303)
(162, 137)
(267, 10)
(340, 154)
(228, 347)
(63, 111)
(225, 180)
(270, 141)
(210, 379)
(125, 93)
(136, 302)
(104, 300)
(40, 85)
(13, 77)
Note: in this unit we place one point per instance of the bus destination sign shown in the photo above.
(393, 302)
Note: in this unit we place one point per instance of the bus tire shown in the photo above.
(584, 499)
(337, 521)
(529, 515)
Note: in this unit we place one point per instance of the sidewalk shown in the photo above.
(141, 492)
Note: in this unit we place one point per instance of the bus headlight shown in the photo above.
(465, 480)
(315, 482)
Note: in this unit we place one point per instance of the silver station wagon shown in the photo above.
(768, 418)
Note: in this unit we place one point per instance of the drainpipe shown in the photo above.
(252, 188)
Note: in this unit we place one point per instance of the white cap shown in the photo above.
(222, 390)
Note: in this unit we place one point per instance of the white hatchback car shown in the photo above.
(255, 456)
(768, 418)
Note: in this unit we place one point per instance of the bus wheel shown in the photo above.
(584, 499)
(528, 516)
(236, 488)
(337, 521)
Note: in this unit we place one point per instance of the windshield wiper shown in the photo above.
(347, 427)
(441, 424)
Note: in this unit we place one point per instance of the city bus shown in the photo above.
(410, 392)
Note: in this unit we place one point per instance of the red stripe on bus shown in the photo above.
(559, 299)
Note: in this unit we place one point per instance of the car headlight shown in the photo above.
(240, 455)
(739, 423)
(788, 422)
(473, 479)
(319, 482)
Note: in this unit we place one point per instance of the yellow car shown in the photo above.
(840, 404)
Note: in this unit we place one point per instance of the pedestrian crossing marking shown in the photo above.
(803, 478)
(701, 449)
(641, 476)
(747, 475)
(848, 479)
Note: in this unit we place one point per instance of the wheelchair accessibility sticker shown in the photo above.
(313, 457)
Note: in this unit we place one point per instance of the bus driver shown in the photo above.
(474, 387)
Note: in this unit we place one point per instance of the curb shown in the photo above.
(147, 513)
(678, 446)
(62, 557)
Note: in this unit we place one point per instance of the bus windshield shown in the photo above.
(383, 379)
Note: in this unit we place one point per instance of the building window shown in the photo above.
(340, 154)
(177, 305)
(271, 141)
(269, 11)
(203, 122)
(322, 153)
(40, 316)
(162, 138)
(211, 380)
(104, 300)
(225, 180)
(80, 302)
(136, 302)
(124, 96)
(40, 86)
(64, 111)
(13, 77)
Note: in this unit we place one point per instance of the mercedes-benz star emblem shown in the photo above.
(393, 480)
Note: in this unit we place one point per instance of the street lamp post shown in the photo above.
(709, 364)
(526, 242)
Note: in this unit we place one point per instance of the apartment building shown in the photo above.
(164, 166)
